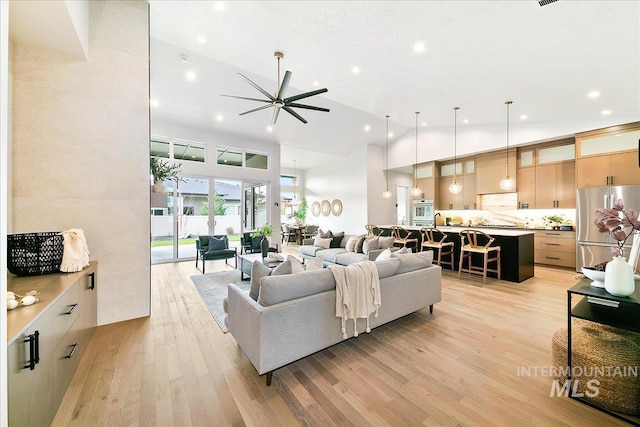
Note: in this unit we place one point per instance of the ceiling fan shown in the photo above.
(278, 100)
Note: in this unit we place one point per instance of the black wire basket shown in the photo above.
(30, 254)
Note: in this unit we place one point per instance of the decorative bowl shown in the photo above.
(596, 276)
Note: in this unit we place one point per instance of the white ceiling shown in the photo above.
(477, 55)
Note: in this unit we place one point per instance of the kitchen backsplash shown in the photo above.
(523, 218)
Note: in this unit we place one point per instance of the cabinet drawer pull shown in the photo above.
(552, 234)
(34, 350)
(93, 281)
(73, 350)
(553, 257)
(73, 307)
(553, 244)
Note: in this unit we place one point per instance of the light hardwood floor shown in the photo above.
(455, 367)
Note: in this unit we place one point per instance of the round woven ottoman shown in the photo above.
(609, 355)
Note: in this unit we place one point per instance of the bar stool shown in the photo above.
(474, 245)
(405, 237)
(436, 239)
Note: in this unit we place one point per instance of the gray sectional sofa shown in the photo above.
(295, 314)
(339, 254)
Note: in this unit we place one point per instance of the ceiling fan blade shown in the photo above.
(305, 95)
(285, 84)
(308, 107)
(276, 111)
(262, 91)
(256, 109)
(248, 99)
(294, 114)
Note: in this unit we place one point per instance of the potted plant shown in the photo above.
(300, 214)
(264, 233)
(163, 170)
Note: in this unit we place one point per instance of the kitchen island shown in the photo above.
(516, 253)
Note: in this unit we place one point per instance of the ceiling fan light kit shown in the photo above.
(278, 101)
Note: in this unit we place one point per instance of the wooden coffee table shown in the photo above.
(245, 261)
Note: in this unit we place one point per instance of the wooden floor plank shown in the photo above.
(455, 367)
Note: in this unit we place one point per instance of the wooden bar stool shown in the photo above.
(436, 239)
(405, 237)
(478, 242)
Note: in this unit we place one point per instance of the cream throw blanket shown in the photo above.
(357, 293)
(75, 255)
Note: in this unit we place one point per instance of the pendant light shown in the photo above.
(416, 191)
(454, 187)
(507, 183)
(386, 193)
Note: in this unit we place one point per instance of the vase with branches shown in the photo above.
(162, 170)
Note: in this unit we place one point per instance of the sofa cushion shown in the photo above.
(410, 261)
(387, 267)
(386, 254)
(329, 255)
(386, 241)
(259, 271)
(324, 243)
(349, 258)
(277, 289)
(370, 244)
(310, 250)
(336, 239)
(298, 267)
(351, 244)
(359, 243)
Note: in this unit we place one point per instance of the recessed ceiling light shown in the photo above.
(201, 39)
(593, 94)
(219, 117)
(605, 112)
(269, 128)
(355, 70)
(524, 117)
(154, 102)
(424, 124)
(191, 75)
(418, 47)
(465, 121)
(218, 5)
(390, 134)
(315, 83)
(367, 128)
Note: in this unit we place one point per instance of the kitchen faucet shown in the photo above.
(435, 224)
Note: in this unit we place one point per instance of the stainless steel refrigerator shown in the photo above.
(593, 247)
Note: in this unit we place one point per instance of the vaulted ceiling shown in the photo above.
(426, 56)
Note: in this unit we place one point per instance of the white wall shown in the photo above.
(344, 178)
(81, 150)
(5, 124)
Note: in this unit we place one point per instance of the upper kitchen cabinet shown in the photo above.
(555, 176)
(490, 169)
(426, 177)
(608, 156)
(465, 172)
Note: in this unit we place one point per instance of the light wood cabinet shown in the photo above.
(490, 169)
(469, 192)
(555, 248)
(448, 200)
(46, 341)
(426, 179)
(465, 175)
(527, 188)
(555, 186)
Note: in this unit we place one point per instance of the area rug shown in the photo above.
(213, 290)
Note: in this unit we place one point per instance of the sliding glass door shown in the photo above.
(255, 206)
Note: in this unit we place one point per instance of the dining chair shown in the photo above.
(478, 242)
(436, 239)
(405, 238)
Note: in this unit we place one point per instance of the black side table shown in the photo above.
(597, 305)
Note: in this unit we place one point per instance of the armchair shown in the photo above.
(214, 247)
(251, 245)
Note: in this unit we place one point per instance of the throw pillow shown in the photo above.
(388, 267)
(324, 234)
(282, 269)
(324, 243)
(351, 244)
(258, 271)
(216, 244)
(370, 244)
(410, 261)
(386, 254)
(359, 243)
(336, 239)
(386, 242)
(298, 267)
(403, 250)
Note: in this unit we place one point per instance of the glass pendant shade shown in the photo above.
(416, 191)
(454, 187)
(386, 194)
(507, 183)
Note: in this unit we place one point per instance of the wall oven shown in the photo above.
(423, 211)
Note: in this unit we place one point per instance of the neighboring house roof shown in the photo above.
(200, 187)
